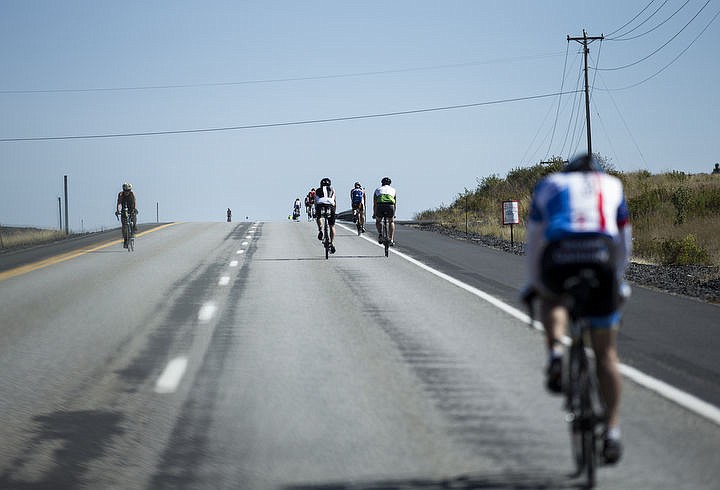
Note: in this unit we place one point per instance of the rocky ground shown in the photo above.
(697, 281)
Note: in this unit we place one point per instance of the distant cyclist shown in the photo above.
(325, 198)
(126, 200)
(296, 209)
(229, 215)
(310, 200)
(357, 200)
(579, 219)
(384, 206)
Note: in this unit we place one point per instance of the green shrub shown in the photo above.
(683, 251)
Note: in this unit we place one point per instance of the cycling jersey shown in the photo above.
(126, 200)
(325, 195)
(568, 214)
(356, 196)
(385, 194)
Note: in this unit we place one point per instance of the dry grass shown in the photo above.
(675, 216)
(11, 237)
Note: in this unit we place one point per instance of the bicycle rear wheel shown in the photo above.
(573, 390)
(326, 239)
(386, 237)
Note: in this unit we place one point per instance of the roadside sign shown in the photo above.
(511, 212)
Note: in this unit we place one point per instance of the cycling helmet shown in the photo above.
(325, 182)
(357, 185)
(584, 163)
(127, 187)
(386, 181)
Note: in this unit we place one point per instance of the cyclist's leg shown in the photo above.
(123, 221)
(318, 220)
(134, 223)
(554, 317)
(610, 387)
(361, 215)
(609, 378)
(331, 222)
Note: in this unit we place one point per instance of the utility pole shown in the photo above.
(67, 225)
(584, 41)
(60, 211)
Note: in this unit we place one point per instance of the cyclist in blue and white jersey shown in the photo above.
(357, 201)
(325, 197)
(384, 205)
(579, 218)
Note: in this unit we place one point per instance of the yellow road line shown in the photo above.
(24, 269)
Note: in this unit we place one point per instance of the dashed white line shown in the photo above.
(244, 243)
(240, 251)
(224, 280)
(234, 263)
(171, 376)
(206, 312)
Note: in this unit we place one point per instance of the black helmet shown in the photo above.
(358, 185)
(584, 163)
(325, 182)
(386, 181)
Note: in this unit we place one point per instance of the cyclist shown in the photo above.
(296, 209)
(579, 218)
(126, 200)
(384, 202)
(357, 200)
(325, 198)
(229, 215)
(310, 199)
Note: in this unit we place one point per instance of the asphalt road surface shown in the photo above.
(225, 355)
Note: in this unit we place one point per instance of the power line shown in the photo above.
(557, 113)
(631, 20)
(280, 124)
(668, 65)
(621, 38)
(274, 80)
(646, 20)
(658, 49)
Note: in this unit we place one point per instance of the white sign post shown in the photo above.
(511, 216)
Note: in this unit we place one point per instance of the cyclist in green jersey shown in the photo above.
(384, 203)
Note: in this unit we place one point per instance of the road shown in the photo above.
(223, 355)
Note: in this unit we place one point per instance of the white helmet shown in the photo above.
(127, 187)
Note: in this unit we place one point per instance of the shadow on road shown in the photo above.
(501, 481)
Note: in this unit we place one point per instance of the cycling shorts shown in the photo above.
(357, 205)
(384, 210)
(318, 212)
(566, 257)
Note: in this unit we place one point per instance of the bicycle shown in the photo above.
(584, 409)
(325, 213)
(385, 236)
(128, 232)
(358, 222)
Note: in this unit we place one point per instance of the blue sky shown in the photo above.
(93, 68)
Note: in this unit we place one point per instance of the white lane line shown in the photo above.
(239, 252)
(685, 400)
(244, 244)
(249, 237)
(233, 263)
(224, 281)
(171, 376)
(206, 312)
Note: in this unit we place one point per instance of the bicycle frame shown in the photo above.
(325, 215)
(128, 226)
(385, 236)
(585, 412)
